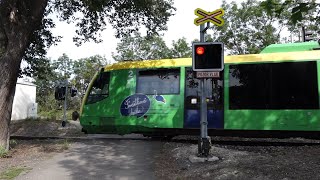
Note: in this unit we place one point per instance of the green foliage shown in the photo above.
(63, 66)
(78, 72)
(248, 28)
(150, 47)
(299, 10)
(83, 71)
(181, 49)
(141, 48)
(13, 172)
(12, 143)
(91, 18)
(65, 144)
(125, 16)
(3, 152)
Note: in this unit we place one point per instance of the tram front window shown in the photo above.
(99, 89)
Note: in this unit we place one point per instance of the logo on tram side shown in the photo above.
(135, 105)
(159, 98)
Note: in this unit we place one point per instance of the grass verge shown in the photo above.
(3, 152)
(13, 172)
(65, 144)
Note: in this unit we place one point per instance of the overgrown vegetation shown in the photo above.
(65, 144)
(79, 74)
(3, 152)
(13, 172)
(54, 114)
(13, 143)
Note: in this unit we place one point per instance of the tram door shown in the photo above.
(214, 95)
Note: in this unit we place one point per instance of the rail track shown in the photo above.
(234, 141)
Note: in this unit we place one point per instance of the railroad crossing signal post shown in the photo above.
(65, 106)
(206, 57)
(61, 93)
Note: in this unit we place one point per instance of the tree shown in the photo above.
(301, 14)
(25, 33)
(79, 74)
(83, 70)
(64, 67)
(181, 49)
(45, 77)
(248, 28)
(299, 10)
(150, 48)
(141, 48)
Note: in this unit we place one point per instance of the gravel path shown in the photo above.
(242, 162)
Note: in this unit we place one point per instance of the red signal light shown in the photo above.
(200, 50)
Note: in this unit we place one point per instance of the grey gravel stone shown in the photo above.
(196, 159)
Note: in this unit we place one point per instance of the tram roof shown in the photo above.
(291, 47)
(272, 53)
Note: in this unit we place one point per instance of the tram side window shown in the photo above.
(213, 89)
(290, 85)
(160, 81)
(248, 86)
(100, 88)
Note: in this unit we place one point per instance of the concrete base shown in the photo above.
(196, 159)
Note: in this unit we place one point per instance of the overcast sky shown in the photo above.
(180, 25)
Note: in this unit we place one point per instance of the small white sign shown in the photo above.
(194, 101)
(201, 74)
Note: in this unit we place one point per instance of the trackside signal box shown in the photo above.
(207, 56)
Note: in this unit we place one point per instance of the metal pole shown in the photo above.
(204, 142)
(203, 109)
(65, 97)
(201, 33)
(303, 34)
(65, 105)
(203, 106)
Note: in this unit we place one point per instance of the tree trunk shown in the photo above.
(18, 20)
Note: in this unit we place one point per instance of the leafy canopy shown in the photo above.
(91, 17)
(139, 47)
(248, 28)
(299, 10)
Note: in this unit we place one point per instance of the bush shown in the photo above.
(3, 152)
(55, 114)
(12, 143)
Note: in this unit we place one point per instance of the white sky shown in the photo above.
(180, 25)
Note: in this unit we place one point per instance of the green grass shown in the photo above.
(55, 114)
(65, 144)
(3, 152)
(13, 143)
(13, 172)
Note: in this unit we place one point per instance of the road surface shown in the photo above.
(114, 159)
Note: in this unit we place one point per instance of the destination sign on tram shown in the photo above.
(201, 74)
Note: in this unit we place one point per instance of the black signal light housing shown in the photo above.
(207, 56)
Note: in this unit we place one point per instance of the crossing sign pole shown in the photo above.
(204, 143)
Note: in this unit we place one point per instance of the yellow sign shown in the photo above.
(213, 17)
